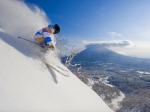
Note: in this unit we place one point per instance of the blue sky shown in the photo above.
(92, 19)
(99, 20)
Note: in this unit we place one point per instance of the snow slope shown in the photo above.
(28, 86)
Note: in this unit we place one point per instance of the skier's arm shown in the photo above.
(38, 36)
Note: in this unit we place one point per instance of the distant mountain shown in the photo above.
(96, 54)
(107, 72)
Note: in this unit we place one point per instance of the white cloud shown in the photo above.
(114, 43)
(16, 18)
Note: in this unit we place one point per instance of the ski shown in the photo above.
(56, 69)
(62, 69)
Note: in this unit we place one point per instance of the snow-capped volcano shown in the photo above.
(26, 84)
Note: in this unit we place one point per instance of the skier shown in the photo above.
(45, 36)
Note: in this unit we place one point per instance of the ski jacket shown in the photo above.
(44, 33)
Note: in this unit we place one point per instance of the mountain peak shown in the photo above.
(96, 53)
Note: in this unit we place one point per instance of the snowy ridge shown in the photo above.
(27, 85)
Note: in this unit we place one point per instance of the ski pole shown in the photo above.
(28, 40)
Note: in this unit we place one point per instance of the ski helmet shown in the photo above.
(55, 27)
